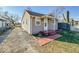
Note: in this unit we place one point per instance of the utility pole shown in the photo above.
(68, 16)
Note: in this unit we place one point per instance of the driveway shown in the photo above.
(17, 41)
(4, 35)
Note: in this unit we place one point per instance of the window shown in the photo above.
(0, 24)
(7, 24)
(37, 21)
(51, 20)
(26, 21)
(76, 22)
(4, 23)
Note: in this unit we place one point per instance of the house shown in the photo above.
(5, 22)
(75, 25)
(34, 22)
(2, 24)
(9, 22)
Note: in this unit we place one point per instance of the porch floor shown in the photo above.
(43, 41)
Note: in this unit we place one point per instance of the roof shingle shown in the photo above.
(34, 13)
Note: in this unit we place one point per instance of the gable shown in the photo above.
(24, 14)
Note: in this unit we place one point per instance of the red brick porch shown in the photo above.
(43, 41)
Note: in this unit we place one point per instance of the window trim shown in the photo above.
(37, 20)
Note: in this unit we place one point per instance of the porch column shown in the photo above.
(55, 24)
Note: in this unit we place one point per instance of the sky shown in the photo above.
(19, 10)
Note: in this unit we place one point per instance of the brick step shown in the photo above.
(49, 32)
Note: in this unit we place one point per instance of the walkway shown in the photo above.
(17, 41)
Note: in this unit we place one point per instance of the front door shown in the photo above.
(45, 24)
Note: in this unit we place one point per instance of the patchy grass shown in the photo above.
(58, 47)
(68, 43)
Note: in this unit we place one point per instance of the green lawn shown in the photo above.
(69, 42)
(69, 36)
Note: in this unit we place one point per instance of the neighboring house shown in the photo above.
(2, 24)
(9, 22)
(34, 22)
(75, 25)
(5, 22)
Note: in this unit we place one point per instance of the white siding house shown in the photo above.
(5, 22)
(2, 24)
(34, 22)
(75, 26)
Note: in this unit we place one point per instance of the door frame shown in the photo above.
(45, 24)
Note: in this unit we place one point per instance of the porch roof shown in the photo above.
(48, 16)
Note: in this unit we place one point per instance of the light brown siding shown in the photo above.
(52, 25)
(26, 22)
(36, 29)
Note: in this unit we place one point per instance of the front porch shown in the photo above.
(49, 24)
(44, 25)
(46, 29)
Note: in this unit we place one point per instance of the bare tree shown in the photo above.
(1, 10)
(59, 11)
(51, 14)
(6, 13)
